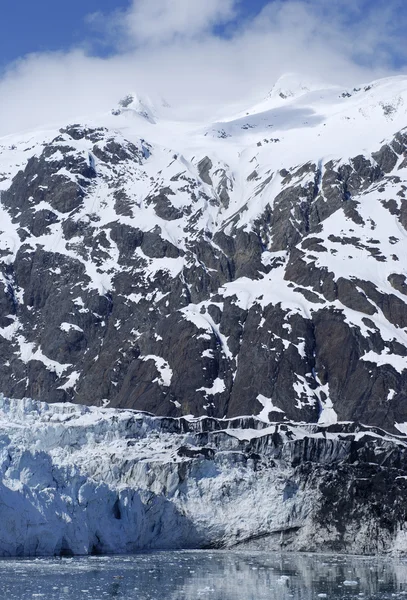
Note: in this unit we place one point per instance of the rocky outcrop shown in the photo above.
(134, 277)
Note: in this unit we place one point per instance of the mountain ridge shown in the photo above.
(255, 267)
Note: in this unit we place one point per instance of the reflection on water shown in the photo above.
(205, 575)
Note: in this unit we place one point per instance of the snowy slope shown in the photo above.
(253, 265)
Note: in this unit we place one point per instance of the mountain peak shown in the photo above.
(292, 85)
(137, 105)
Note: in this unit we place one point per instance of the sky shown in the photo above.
(61, 59)
(50, 25)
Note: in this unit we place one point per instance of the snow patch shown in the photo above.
(163, 368)
(218, 387)
(268, 407)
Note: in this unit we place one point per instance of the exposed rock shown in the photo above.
(204, 167)
(127, 280)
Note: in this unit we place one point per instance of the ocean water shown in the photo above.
(205, 575)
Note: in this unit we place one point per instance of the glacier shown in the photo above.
(81, 480)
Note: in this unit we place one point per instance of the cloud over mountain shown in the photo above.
(203, 55)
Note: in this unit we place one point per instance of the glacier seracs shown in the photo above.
(78, 480)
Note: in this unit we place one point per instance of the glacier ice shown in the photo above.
(79, 480)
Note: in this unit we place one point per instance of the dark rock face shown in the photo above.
(139, 280)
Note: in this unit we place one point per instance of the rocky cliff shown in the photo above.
(254, 266)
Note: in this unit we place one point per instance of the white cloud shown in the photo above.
(170, 47)
(161, 21)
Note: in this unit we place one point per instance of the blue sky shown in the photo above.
(52, 25)
(28, 26)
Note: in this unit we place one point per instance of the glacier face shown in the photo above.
(79, 480)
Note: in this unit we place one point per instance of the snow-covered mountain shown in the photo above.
(251, 265)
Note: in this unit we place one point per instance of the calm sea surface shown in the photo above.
(205, 575)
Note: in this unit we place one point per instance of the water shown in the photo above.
(205, 576)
